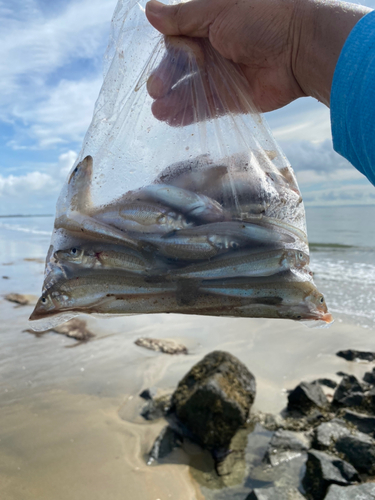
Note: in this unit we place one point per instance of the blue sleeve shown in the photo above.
(353, 98)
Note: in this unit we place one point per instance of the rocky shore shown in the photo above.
(320, 447)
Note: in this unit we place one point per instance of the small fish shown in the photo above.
(245, 264)
(185, 247)
(143, 217)
(105, 257)
(197, 206)
(87, 227)
(87, 291)
(241, 233)
(290, 293)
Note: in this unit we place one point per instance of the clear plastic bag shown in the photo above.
(180, 200)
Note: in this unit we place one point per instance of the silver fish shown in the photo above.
(244, 264)
(105, 257)
(191, 204)
(142, 216)
(241, 233)
(87, 291)
(290, 293)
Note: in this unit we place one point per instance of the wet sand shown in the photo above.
(69, 419)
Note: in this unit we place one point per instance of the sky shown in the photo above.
(51, 64)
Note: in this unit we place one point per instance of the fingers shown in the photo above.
(183, 57)
(191, 18)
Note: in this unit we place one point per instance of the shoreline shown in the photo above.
(55, 391)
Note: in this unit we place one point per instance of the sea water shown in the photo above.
(342, 246)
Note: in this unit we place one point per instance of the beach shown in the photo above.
(70, 412)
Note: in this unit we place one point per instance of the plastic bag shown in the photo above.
(180, 201)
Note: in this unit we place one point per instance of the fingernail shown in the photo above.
(154, 7)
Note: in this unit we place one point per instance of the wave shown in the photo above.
(16, 227)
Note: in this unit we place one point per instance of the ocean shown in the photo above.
(342, 246)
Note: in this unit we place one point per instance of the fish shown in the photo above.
(276, 224)
(105, 257)
(289, 293)
(87, 227)
(197, 206)
(244, 264)
(142, 216)
(87, 291)
(240, 233)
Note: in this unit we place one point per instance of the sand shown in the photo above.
(69, 419)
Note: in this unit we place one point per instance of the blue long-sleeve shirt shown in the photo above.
(353, 98)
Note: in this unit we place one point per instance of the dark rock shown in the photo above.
(156, 408)
(306, 397)
(322, 470)
(148, 394)
(358, 492)
(369, 377)
(370, 400)
(213, 400)
(327, 433)
(359, 450)
(164, 444)
(231, 464)
(342, 374)
(284, 446)
(275, 493)
(364, 423)
(327, 382)
(348, 392)
(351, 355)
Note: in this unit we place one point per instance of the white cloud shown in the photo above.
(35, 47)
(35, 191)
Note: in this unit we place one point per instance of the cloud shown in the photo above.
(51, 64)
(36, 191)
(306, 155)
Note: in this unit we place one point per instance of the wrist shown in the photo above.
(321, 29)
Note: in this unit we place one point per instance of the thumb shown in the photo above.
(192, 18)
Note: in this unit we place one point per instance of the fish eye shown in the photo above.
(73, 251)
(43, 300)
(300, 255)
(299, 317)
(321, 299)
(234, 244)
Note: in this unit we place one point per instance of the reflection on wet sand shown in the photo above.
(70, 422)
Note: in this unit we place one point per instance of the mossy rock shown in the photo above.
(213, 400)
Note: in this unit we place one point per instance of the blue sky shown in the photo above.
(51, 73)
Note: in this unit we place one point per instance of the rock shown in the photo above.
(352, 355)
(148, 394)
(156, 408)
(75, 329)
(21, 299)
(364, 423)
(342, 374)
(358, 492)
(349, 392)
(322, 470)
(284, 446)
(232, 464)
(164, 444)
(370, 400)
(275, 493)
(327, 382)
(369, 377)
(359, 450)
(161, 345)
(306, 397)
(326, 434)
(213, 400)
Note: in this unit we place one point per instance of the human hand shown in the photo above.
(286, 49)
